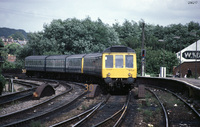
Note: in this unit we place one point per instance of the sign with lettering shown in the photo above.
(191, 54)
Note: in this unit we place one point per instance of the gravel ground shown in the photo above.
(149, 112)
(113, 104)
(80, 106)
(17, 106)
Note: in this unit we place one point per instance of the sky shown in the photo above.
(31, 15)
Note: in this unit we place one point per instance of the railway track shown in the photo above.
(177, 112)
(16, 96)
(26, 94)
(108, 114)
(83, 116)
(119, 115)
(113, 118)
(174, 112)
(42, 109)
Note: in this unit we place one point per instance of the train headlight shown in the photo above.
(108, 74)
(129, 74)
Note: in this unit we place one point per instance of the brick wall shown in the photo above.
(185, 66)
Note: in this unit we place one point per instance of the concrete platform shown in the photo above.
(184, 85)
(189, 81)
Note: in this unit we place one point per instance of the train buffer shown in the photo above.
(93, 90)
(43, 90)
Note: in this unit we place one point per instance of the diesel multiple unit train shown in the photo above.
(115, 67)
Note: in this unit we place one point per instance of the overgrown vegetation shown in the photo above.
(2, 79)
(2, 82)
(150, 110)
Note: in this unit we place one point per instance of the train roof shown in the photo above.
(93, 55)
(118, 48)
(77, 56)
(35, 57)
(57, 57)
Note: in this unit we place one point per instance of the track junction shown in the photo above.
(71, 107)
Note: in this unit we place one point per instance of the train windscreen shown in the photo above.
(119, 61)
(109, 61)
(129, 61)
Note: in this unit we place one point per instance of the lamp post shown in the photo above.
(195, 35)
(161, 40)
(177, 37)
(163, 69)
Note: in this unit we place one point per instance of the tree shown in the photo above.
(18, 35)
(193, 26)
(72, 36)
(2, 79)
(12, 48)
(160, 58)
(2, 83)
(129, 33)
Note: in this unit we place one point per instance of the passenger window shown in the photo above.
(119, 61)
(109, 61)
(129, 61)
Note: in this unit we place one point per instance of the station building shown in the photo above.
(189, 58)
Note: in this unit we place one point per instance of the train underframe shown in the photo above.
(119, 85)
(110, 85)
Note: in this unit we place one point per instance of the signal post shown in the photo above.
(143, 53)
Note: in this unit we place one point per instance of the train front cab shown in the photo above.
(119, 67)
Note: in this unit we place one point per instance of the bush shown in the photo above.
(8, 65)
(2, 83)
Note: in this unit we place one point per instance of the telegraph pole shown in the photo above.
(143, 53)
(195, 35)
